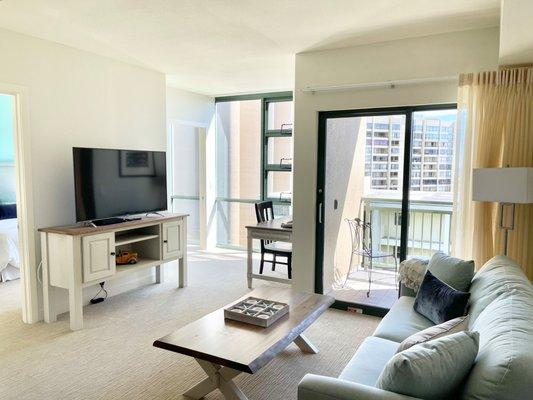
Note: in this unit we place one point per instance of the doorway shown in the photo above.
(188, 177)
(384, 195)
(10, 290)
(16, 234)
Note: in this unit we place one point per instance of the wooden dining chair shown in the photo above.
(264, 211)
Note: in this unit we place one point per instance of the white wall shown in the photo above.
(189, 107)
(432, 56)
(516, 42)
(77, 98)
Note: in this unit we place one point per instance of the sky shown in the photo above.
(6, 128)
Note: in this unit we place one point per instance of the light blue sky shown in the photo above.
(6, 128)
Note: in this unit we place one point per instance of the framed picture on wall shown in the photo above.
(136, 163)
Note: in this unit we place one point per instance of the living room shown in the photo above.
(233, 129)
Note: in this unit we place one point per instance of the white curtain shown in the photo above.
(495, 129)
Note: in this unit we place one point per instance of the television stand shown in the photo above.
(75, 257)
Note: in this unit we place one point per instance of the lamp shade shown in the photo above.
(503, 185)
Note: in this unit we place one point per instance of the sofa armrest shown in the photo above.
(315, 387)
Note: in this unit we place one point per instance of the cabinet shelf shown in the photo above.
(133, 238)
(141, 264)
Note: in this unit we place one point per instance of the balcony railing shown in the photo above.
(429, 227)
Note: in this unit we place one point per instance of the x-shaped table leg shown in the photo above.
(218, 378)
(305, 344)
(221, 378)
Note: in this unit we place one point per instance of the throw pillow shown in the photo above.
(434, 332)
(412, 272)
(431, 370)
(455, 272)
(439, 302)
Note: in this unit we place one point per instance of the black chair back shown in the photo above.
(264, 211)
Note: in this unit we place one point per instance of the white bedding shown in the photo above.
(9, 250)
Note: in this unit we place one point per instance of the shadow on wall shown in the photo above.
(345, 167)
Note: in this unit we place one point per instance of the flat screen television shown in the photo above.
(110, 183)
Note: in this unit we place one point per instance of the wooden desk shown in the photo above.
(226, 348)
(77, 256)
(270, 230)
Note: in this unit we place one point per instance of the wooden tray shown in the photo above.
(256, 311)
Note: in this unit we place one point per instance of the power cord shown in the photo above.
(96, 299)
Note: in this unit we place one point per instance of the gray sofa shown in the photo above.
(500, 309)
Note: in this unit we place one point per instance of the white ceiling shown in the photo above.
(234, 46)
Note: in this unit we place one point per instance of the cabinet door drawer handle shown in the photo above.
(165, 241)
(113, 253)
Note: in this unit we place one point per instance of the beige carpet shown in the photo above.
(113, 356)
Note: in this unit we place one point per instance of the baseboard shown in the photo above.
(113, 287)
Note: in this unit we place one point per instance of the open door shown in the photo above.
(188, 178)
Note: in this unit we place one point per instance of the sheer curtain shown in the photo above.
(495, 129)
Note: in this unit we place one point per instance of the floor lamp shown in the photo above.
(507, 186)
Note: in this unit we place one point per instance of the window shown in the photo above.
(254, 150)
(277, 159)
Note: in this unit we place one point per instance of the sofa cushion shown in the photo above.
(431, 370)
(401, 321)
(369, 360)
(504, 365)
(453, 271)
(439, 302)
(434, 332)
(492, 280)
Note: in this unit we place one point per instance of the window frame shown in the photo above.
(266, 99)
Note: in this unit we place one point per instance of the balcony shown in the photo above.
(429, 227)
(430, 216)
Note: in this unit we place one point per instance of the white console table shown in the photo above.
(74, 257)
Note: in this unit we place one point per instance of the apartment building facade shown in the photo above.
(432, 147)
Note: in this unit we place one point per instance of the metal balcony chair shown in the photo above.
(359, 232)
(264, 211)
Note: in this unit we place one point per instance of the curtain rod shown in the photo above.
(389, 84)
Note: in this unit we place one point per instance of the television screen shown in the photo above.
(110, 183)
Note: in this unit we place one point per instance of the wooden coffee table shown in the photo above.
(226, 348)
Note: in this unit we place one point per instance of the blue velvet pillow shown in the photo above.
(439, 302)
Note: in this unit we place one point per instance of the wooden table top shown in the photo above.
(81, 229)
(272, 225)
(245, 347)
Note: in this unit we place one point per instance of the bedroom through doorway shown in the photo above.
(10, 260)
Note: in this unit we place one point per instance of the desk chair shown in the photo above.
(264, 211)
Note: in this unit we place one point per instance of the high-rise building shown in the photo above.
(432, 157)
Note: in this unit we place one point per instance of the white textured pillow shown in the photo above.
(412, 272)
(455, 325)
(431, 370)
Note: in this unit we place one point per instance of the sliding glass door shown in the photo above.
(431, 189)
(366, 224)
